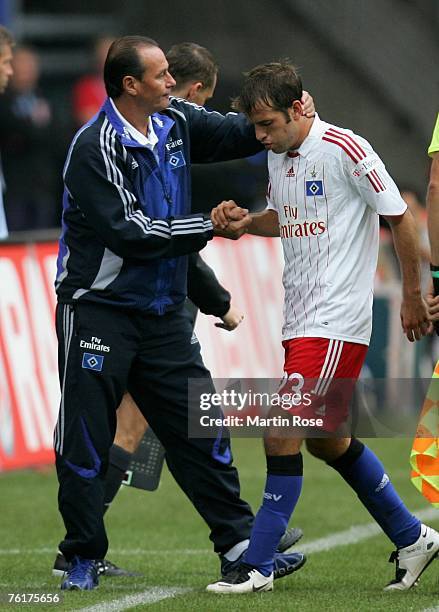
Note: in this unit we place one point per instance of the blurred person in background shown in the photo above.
(6, 70)
(26, 135)
(415, 203)
(88, 93)
(433, 226)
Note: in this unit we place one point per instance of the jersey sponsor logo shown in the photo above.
(302, 230)
(95, 344)
(365, 166)
(174, 143)
(177, 160)
(314, 188)
(357, 154)
(92, 362)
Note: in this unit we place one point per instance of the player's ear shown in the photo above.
(296, 110)
(194, 89)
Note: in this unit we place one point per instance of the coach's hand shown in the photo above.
(308, 108)
(432, 300)
(231, 319)
(414, 318)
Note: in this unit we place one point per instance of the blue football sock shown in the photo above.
(364, 472)
(282, 490)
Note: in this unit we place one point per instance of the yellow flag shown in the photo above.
(424, 456)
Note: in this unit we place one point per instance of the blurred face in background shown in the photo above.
(100, 54)
(6, 69)
(26, 70)
(198, 94)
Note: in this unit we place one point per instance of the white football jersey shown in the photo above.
(328, 195)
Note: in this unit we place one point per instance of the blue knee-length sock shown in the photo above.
(282, 491)
(365, 473)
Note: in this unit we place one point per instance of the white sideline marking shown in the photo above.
(356, 533)
(148, 597)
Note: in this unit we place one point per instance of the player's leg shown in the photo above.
(92, 385)
(202, 467)
(305, 358)
(365, 474)
(131, 427)
(159, 385)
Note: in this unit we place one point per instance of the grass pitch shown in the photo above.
(160, 535)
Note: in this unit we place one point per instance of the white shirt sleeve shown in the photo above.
(369, 177)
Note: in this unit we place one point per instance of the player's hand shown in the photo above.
(414, 318)
(432, 302)
(231, 319)
(308, 108)
(227, 210)
(234, 229)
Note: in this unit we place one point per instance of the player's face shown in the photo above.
(276, 130)
(156, 83)
(6, 70)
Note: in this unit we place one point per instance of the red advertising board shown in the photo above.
(29, 389)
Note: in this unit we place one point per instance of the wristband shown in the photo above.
(435, 276)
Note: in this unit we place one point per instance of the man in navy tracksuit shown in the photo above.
(121, 284)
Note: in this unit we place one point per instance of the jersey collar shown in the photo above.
(317, 129)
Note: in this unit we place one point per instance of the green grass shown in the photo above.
(158, 525)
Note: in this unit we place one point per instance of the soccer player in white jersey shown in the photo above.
(327, 188)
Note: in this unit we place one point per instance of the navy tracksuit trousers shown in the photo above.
(104, 351)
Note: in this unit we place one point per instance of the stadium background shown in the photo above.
(370, 65)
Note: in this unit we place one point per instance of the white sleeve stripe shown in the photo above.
(195, 223)
(127, 198)
(158, 227)
(182, 232)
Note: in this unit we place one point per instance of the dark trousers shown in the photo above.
(104, 351)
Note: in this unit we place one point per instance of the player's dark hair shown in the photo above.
(276, 84)
(191, 62)
(6, 37)
(123, 60)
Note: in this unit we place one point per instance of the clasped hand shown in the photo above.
(230, 220)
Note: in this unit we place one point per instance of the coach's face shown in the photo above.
(278, 131)
(156, 84)
(6, 70)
